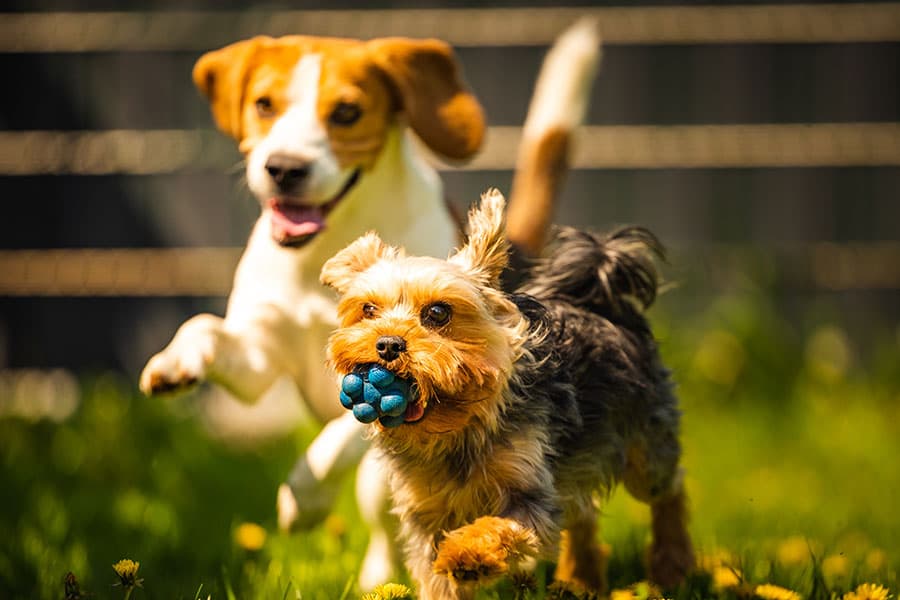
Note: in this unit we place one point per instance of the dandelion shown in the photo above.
(250, 536)
(868, 591)
(768, 591)
(794, 551)
(626, 594)
(336, 526)
(876, 559)
(835, 566)
(641, 590)
(389, 591)
(127, 570)
(569, 590)
(523, 583)
(718, 558)
(724, 578)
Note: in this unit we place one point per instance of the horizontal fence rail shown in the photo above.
(144, 152)
(201, 30)
(209, 271)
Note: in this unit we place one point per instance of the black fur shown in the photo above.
(593, 359)
(589, 403)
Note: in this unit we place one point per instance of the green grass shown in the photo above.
(791, 435)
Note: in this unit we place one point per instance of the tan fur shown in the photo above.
(486, 253)
(419, 78)
(277, 97)
(671, 555)
(582, 560)
(473, 479)
(486, 548)
(458, 381)
(535, 188)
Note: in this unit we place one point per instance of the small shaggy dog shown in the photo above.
(526, 405)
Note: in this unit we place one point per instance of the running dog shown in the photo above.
(525, 406)
(324, 124)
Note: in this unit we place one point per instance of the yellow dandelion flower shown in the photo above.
(127, 570)
(644, 590)
(768, 591)
(717, 558)
(876, 559)
(835, 566)
(868, 591)
(336, 526)
(250, 536)
(389, 591)
(626, 594)
(794, 551)
(724, 578)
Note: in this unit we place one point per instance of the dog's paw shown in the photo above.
(670, 564)
(486, 549)
(171, 373)
(186, 360)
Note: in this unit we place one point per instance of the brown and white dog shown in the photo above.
(323, 124)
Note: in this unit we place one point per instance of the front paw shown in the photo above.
(486, 549)
(172, 372)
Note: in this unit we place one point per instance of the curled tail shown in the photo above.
(599, 272)
(557, 109)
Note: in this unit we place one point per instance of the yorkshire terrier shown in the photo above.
(527, 407)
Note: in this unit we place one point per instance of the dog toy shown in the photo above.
(372, 392)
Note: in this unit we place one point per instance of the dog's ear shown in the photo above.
(221, 75)
(340, 270)
(432, 93)
(486, 252)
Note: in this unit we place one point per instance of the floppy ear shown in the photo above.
(221, 75)
(340, 270)
(486, 253)
(432, 93)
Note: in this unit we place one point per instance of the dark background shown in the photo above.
(771, 226)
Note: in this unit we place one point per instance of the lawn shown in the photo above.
(792, 446)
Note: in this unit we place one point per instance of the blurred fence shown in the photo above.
(734, 131)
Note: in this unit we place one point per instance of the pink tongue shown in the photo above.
(294, 221)
(414, 412)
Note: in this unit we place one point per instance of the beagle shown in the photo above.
(323, 125)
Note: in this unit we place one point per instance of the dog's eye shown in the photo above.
(264, 107)
(436, 315)
(369, 310)
(345, 113)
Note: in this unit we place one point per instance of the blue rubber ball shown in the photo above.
(389, 421)
(393, 405)
(352, 385)
(380, 377)
(371, 394)
(364, 413)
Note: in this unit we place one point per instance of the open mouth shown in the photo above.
(415, 410)
(295, 223)
(374, 392)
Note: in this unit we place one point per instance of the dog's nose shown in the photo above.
(389, 347)
(288, 172)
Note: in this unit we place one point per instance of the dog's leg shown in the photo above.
(582, 560)
(382, 560)
(487, 548)
(241, 359)
(652, 475)
(185, 361)
(671, 555)
(429, 584)
(313, 484)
